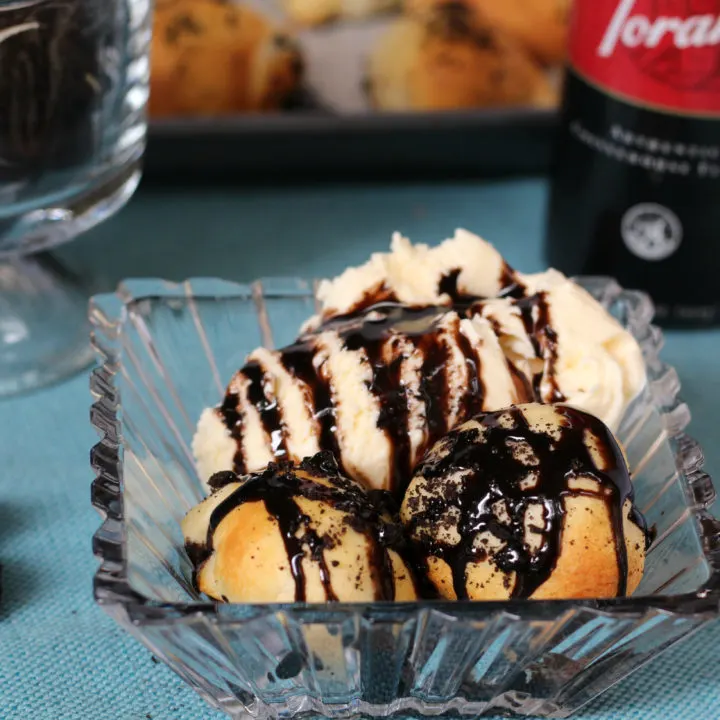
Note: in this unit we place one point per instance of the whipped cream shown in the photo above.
(460, 332)
(376, 392)
(576, 352)
(416, 275)
(572, 348)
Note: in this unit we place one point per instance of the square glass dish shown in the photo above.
(166, 351)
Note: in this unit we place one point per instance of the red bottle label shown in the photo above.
(661, 53)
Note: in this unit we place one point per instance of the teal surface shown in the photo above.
(61, 658)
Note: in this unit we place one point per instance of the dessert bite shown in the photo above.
(533, 501)
(294, 533)
(214, 58)
(376, 390)
(561, 340)
(480, 399)
(408, 346)
(445, 55)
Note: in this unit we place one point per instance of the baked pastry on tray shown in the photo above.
(212, 57)
(447, 57)
(540, 26)
(317, 12)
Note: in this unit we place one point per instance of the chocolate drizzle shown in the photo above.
(380, 294)
(376, 333)
(279, 486)
(376, 295)
(387, 335)
(268, 409)
(433, 388)
(394, 410)
(472, 399)
(298, 361)
(494, 473)
(535, 315)
(448, 285)
(511, 286)
(231, 416)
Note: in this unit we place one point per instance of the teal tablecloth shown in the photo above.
(60, 657)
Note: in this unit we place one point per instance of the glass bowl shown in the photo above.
(166, 351)
(73, 90)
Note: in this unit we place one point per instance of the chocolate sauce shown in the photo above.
(298, 361)
(268, 409)
(535, 315)
(510, 284)
(495, 475)
(387, 335)
(523, 387)
(472, 399)
(433, 388)
(418, 328)
(232, 417)
(379, 320)
(551, 371)
(278, 487)
(527, 307)
(376, 295)
(448, 285)
(394, 411)
(460, 301)
(510, 287)
(221, 479)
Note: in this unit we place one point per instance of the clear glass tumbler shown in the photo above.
(73, 91)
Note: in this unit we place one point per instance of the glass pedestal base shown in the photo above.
(44, 332)
(51, 220)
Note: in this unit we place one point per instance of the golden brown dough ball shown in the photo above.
(211, 57)
(295, 534)
(539, 25)
(533, 501)
(316, 12)
(448, 59)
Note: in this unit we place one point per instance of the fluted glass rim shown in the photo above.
(108, 313)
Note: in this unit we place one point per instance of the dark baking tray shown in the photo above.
(309, 146)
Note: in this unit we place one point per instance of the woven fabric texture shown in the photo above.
(62, 658)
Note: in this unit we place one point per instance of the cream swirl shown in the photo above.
(568, 345)
(413, 275)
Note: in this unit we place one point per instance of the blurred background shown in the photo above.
(285, 137)
(278, 119)
(307, 89)
(275, 131)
